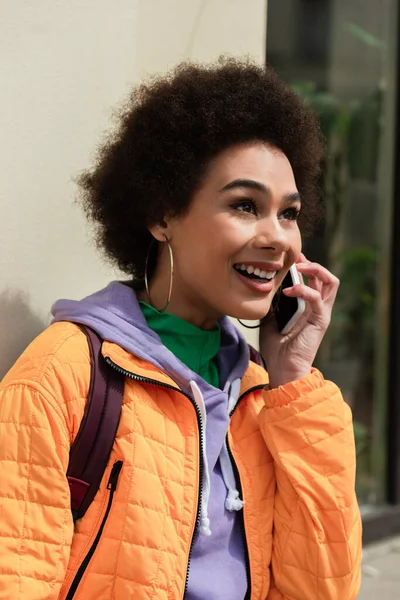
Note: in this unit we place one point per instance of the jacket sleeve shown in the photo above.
(35, 519)
(316, 553)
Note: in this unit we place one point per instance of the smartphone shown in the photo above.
(287, 310)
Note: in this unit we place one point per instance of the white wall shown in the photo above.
(63, 66)
(173, 30)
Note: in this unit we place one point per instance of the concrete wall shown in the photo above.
(63, 66)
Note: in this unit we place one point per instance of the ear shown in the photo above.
(160, 232)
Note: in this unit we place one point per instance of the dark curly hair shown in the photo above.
(168, 132)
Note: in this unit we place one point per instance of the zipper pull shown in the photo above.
(115, 471)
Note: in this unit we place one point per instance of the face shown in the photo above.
(237, 241)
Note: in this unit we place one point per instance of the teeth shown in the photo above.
(261, 274)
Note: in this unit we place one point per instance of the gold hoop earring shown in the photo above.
(171, 277)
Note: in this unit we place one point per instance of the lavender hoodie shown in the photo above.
(217, 567)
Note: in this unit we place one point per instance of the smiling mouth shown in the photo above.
(255, 272)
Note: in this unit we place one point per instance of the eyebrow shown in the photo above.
(252, 184)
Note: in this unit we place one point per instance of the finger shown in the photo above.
(320, 279)
(318, 285)
(316, 270)
(319, 303)
(303, 291)
(302, 259)
(313, 300)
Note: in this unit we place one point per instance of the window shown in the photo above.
(336, 55)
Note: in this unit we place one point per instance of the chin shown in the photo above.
(252, 317)
(248, 314)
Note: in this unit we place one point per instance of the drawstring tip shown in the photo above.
(205, 526)
(233, 502)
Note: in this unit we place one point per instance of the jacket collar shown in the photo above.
(255, 376)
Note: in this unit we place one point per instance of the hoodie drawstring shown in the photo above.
(206, 488)
(232, 502)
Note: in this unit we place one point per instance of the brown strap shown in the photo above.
(92, 447)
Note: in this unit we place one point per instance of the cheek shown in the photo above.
(231, 237)
(206, 246)
(221, 242)
(295, 245)
(195, 254)
(205, 263)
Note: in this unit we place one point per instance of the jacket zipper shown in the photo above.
(242, 527)
(240, 489)
(141, 379)
(111, 486)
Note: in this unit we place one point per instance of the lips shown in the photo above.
(254, 272)
(255, 284)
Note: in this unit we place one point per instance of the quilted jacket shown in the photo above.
(293, 448)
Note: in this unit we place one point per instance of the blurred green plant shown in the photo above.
(364, 36)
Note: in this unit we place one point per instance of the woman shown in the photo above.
(234, 484)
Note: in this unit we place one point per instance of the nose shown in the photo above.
(270, 235)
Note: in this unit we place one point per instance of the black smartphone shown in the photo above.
(287, 311)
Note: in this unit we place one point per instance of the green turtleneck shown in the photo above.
(195, 347)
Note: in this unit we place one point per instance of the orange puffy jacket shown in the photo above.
(293, 447)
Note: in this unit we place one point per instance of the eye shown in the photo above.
(290, 214)
(247, 206)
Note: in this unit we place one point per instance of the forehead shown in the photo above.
(257, 161)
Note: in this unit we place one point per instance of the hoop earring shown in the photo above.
(270, 313)
(250, 326)
(171, 277)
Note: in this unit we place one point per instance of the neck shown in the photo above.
(191, 314)
(183, 303)
(180, 305)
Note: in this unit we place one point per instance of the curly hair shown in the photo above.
(169, 131)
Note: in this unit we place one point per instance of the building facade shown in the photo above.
(342, 57)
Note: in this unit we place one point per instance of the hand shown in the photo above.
(290, 357)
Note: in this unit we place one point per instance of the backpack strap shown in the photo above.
(256, 357)
(92, 447)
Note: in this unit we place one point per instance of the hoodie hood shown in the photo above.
(114, 313)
